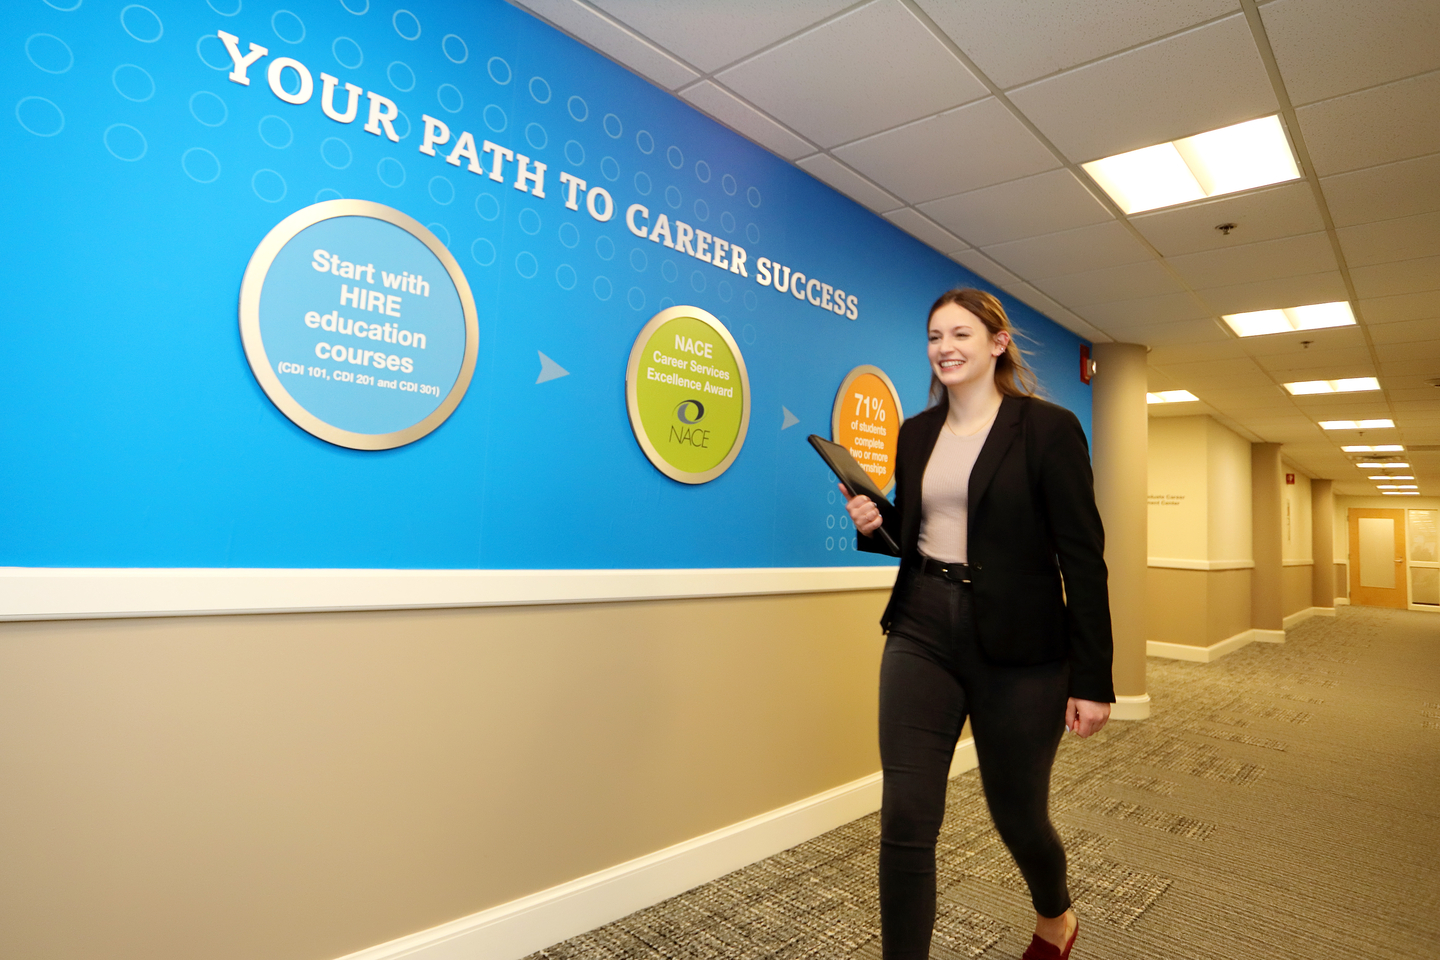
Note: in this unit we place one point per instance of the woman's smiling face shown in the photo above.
(961, 349)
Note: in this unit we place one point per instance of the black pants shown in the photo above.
(932, 675)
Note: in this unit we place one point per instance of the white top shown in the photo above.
(945, 494)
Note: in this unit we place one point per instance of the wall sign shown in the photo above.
(688, 394)
(358, 324)
(866, 421)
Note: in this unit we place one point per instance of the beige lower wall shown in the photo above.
(300, 786)
(1196, 608)
(1297, 587)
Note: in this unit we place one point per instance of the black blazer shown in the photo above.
(1036, 546)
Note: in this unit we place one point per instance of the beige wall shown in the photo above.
(1196, 608)
(1178, 509)
(1295, 588)
(297, 787)
(1228, 481)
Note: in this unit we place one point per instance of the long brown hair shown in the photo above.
(1013, 376)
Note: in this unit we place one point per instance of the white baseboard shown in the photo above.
(1342, 601)
(1300, 616)
(1180, 651)
(1131, 707)
(520, 927)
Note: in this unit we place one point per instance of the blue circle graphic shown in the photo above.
(724, 290)
(391, 172)
(665, 303)
(133, 82)
(49, 53)
(402, 119)
(645, 142)
(219, 59)
(39, 116)
(400, 75)
(610, 168)
(63, 9)
(364, 9)
(579, 109)
(495, 118)
(223, 13)
(753, 196)
(526, 265)
(638, 260)
(636, 298)
(482, 251)
(535, 136)
(442, 233)
(602, 288)
(529, 221)
(574, 153)
(702, 210)
(669, 271)
(406, 24)
(748, 332)
(565, 276)
(268, 185)
(697, 281)
(613, 127)
(672, 197)
(125, 142)
(450, 98)
(454, 48)
(675, 158)
(442, 191)
(642, 183)
(275, 132)
(604, 247)
(751, 302)
(141, 23)
(727, 183)
(200, 165)
(287, 25)
(336, 153)
(727, 222)
(539, 90)
(328, 193)
(569, 234)
(347, 53)
(487, 206)
(702, 171)
(499, 71)
(752, 233)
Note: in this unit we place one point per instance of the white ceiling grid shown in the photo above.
(965, 122)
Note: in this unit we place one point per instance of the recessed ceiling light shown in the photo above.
(1400, 493)
(1398, 476)
(1396, 486)
(1315, 316)
(1356, 424)
(1348, 385)
(1383, 465)
(1377, 448)
(1228, 160)
(1170, 396)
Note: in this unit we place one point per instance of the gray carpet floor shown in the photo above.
(1280, 803)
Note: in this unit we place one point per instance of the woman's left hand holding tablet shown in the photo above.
(863, 512)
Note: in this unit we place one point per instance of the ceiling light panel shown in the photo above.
(1398, 476)
(1344, 385)
(1383, 465)
(1315, 316)
(1171, 396)
(1400, 493)
(1356, 424)
(1376, 448)
(1397, 486)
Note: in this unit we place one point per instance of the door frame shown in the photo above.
(1367, 596)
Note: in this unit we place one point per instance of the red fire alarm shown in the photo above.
(1290, 478)
(1087, 366)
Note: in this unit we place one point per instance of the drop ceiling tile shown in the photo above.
(1331, 338)
(981, 265)
(865, 71)
(1128, 281)
(925, 230)
(1416, 400)
(960, 150)
(1268, 214)
(1276, 294)
(1164, 309)
(615, 40)
(1409, 332)
(1021, 208)
(1412, 386)
(1296, 364)
(1427, 349)
(1341, 368)
(744, 119)
(1249, 262)
(1392, 279)
(1070, 251)
(1404, 307)
(1227, 369)
(1205, 78)
(711, 35)
(1385, 192)
(1326, 48)
(825, 167)
(1178, 334)
(1017, 42)
(1341, 408)
(1227, 349)
(1426, 368)
(1380, 125)
(1402, 239)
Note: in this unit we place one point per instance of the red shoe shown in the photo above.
(1042, 949)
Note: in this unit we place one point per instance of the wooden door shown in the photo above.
(1377, 558)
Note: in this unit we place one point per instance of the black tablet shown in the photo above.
(858, 482)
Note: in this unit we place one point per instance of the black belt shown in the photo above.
(954, 572)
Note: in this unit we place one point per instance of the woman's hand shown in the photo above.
(863, 512)
(1084, 717)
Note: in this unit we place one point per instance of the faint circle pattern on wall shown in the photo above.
(336, 153)
(347, 53)
(574, 153)
(351, 5)
(829, 496)
(287, 26)
(636, 298)
(482, 251)
(610, 168)
(638, 260)
(613, 127)
(669, 271)
(829, 543)
(579, 109)
(219, 58)
(454, 48)
(529, 221)
(391, 172)
(753, 196)
(402, 119)
(487, 206)
(230, 9)
(748, 332)
(727, 222)
(723, 289)
(440, 231)
(751, 302)
(406, 24)
(604, 247)
(268, 186)
(275, 132)
(133, 82)
(499, 70)
(697, 281)
(125, 142)
(844, 542)
(495, 118)
(642, 183)
(702, 171)
(141, 23)
(752, 233)
(39, 116)
(442, 191)
(63, 8)
(602, 288)
(675, 158)
(526, 265)
(450, 98)
(566, 277)
(200, 165)
(728, 184)
(539, 90)
(49, 53)
(645, 142)
(702, 210)
(569, 234)
(535, 136)
(672, 197)
(830, 522)
(665, 303)
(400, 75)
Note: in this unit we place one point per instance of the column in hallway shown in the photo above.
(1267, 615)
(1322, 543)
(1121, 440)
